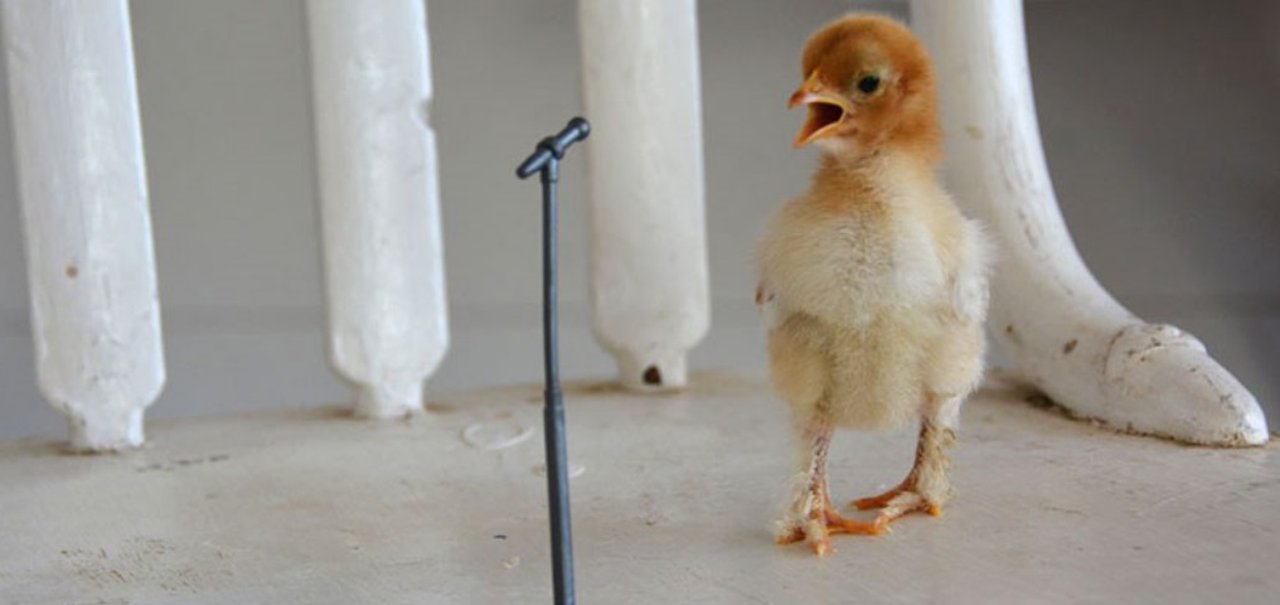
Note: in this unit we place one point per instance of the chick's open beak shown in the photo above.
(827, 110)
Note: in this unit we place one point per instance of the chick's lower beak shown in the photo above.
(827, 110)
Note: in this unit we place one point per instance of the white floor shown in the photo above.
(672, 505)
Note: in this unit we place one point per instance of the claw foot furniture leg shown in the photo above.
(1064, 332)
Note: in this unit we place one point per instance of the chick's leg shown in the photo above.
(811, 515)
(926, 487)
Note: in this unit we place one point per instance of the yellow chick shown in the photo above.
(873, 285)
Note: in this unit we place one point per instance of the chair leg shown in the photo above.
(1064, 332)
(379, 199)
(95, 311)
(649, 285)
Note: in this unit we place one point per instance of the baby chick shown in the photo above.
(873, 286)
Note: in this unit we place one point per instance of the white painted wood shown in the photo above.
(641, 90)
(1064, 331)
(380, 201)
(91, 268)
(672, 506)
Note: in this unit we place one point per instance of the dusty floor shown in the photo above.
(672, 504)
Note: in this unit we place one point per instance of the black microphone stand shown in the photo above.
(546, 159)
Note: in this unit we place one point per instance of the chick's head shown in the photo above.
(869, 87)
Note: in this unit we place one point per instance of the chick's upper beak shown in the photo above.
(827, 109)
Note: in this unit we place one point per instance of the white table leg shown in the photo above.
(648, 235)
(91, 268)
(1062, 329)
(383, 258)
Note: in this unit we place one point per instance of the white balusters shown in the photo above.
(379, 194)
(1064, 331)
(648, 236)
(91, 268)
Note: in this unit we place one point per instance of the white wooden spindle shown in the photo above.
(91, 268)
(641, 90)
(379, 195)
(1063, 330)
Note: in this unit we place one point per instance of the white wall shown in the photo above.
(1158, 116)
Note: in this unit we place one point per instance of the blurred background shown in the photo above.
(1159, 120)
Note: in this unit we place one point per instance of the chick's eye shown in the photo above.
(869, 84)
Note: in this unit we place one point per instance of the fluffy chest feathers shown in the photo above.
(860, 245)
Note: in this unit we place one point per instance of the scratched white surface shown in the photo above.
(379, 198)
(1174, 213)
(1049, 314)
(91, 271)
(673, 506)
(641, 88)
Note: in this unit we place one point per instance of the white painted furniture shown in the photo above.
(260, 507)
(1066, 334)
(380, 200)
(641, 89)
(91, 271)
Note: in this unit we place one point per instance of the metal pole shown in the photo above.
(546, 159)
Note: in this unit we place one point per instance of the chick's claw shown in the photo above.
(897, 502)
(825, 521)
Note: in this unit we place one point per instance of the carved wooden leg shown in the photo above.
(648, 236)
(90, 264)
(1062, 329)
(384, 268)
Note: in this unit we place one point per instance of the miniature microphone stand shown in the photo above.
(546, 159)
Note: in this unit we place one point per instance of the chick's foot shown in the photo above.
(897, 502)
(823, 522)
(925, 487)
